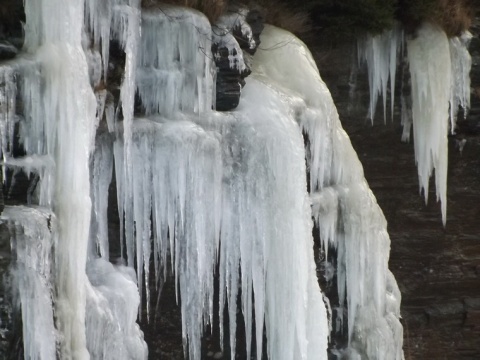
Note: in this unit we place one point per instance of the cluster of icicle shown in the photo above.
(199, 192)
(440, 85)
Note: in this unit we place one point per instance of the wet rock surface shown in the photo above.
(437, 268)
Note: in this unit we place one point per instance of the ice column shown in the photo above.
(431, 69)
(64, 104)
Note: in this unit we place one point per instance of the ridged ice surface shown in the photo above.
(8, 93)
(175, 67)
(228, 187)
(32, 231)
(431, 71)
(344, 208)
(380, 53)
(461, 65)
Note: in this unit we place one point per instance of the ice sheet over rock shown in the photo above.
(431, 71)
(8, 94)
(346, 211)
(32, 233)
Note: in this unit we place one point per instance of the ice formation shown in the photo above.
(380, 53)
(199, 192)
(344, 208)
(429, 56)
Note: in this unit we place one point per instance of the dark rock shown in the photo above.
(7, 50)
(231, 74)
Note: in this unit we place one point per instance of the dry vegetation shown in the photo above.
(339, 18)
(454, 16)
(289, 17)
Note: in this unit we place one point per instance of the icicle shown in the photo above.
(32, 233)
(380, 53)
(460, 88)
(430, 68)
(98, 18)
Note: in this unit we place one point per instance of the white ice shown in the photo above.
(431, 71)
(344, 207)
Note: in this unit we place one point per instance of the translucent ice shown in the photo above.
(380, 53)
(175, 67)
(461, 65)
(32, 233)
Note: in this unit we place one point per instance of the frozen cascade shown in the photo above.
(32, 232)
(235, 161)
(344, 207)
(227, 188)
(429, 56)
(380, 53)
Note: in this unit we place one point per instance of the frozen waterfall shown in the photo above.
(205, 195)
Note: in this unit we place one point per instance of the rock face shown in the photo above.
(237, 36)
(437, 269)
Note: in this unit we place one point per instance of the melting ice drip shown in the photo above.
(435, 98)
(229, 187)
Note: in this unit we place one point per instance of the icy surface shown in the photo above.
(175, 67)
(461, 65)
(431, 71)
(112, 307)
(344, 208)
(32, 237)
(380, 53)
